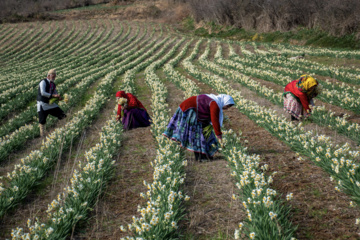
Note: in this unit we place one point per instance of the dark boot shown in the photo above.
(197, 156)
(205, 158)
(294, 118)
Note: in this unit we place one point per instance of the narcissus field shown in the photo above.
(88, 179)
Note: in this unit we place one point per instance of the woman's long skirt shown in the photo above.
(134, 118)
(185, 129)
(292, 106)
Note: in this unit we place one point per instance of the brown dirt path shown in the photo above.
(122, 196)
(211, 212)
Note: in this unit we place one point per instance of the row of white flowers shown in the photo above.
(188, 86)
(344, 74)
(8, 31)
(159, 219)
(24, 35)
(272, 52)
(69, 61)
(129, 77)
(31, 41)
(80, 43)
(267, 215)
(47, 41)
(69, 55)
(78, 198)
(314, 51)
(339, 161)
(12, 71)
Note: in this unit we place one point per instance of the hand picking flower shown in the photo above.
(122, 101)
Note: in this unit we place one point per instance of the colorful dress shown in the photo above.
(135, 115)
(298, 96)
(194, 114)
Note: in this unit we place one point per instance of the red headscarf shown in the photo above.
(121, 94)
(132, 101)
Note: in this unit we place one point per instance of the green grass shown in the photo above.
(309, 37)
(316, 193)
(318, 214)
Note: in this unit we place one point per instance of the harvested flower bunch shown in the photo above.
(122, 101)
(56, 100)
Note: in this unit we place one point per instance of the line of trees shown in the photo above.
(338, 17)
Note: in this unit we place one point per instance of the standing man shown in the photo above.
(47, 90)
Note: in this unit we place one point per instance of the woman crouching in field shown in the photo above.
(135, 114)
(298, 95)
(192, 118)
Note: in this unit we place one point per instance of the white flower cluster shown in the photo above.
(164, 213)
(258, 198)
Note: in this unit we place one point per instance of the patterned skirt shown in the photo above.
(292, 106)
(185, 129)
(134, 118)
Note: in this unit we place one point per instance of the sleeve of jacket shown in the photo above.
(215, 114)
(119, 110)
(304, 101)
(42, 89)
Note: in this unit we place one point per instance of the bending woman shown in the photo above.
(298, 95)
(192, 116)
(135, 114)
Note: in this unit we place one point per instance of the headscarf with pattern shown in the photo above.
(306, 82)
(222, 100)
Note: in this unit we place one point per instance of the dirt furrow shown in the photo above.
(210, 213)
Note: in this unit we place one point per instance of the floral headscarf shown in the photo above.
(222, 100)
(306, 82)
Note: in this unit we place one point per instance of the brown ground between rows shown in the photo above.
(211, 212)
(318, 210)
(122, 195)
